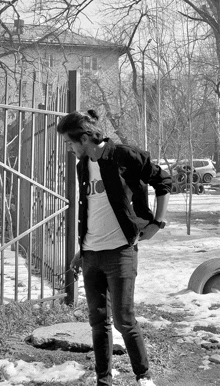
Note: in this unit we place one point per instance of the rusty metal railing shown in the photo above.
(33, 184)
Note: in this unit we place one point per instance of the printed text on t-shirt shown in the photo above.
(95, 187)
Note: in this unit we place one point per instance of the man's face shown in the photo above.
(77, 148)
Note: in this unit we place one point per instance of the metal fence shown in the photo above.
(33, 177)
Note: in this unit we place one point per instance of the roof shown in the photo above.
(55, 36)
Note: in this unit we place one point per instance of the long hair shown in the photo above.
(76, 124)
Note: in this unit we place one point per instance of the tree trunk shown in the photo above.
(8, 214)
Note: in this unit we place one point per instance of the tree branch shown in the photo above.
(8, 5)
(204, 15)
(190, 17)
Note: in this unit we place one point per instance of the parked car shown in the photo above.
(163, 163)
(204, 167)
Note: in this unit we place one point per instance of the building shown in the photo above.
(43, 54)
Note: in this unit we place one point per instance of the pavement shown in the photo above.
(167, 261)
(166, 264)
(9, 279)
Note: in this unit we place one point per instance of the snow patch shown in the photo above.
(20, 372)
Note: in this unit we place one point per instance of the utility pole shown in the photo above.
(144, 104)
(158, 43)
(217, 141)
(144, 115)
(71, 220)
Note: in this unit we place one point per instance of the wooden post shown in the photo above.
(71, 215)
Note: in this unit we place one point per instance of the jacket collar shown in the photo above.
(108, 152)
(108, 149)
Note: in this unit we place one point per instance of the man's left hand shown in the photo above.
(148, 232)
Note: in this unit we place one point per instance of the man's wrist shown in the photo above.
(160, 224)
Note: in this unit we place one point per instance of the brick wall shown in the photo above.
(51, 64)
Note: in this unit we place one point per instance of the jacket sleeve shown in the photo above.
(139, 167)
(158, 178)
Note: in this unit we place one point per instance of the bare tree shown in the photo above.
(128, 20)
(209, 13)
(56, 15)
(160, 67)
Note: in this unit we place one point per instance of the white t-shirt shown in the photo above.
(104, 231)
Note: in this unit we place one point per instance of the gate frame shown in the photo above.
(71, 286)
(71, 217)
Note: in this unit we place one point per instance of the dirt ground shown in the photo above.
(186, 359)
(172, 362)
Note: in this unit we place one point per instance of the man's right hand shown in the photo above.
(76, 262)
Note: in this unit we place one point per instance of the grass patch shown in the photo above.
(18, 320)
(22, 318)
(153, 313)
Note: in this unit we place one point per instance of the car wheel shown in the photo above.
(195, 178)
(181, 178)
(212, 285)
(207, 178)
(186, 168)
(175, 188)
(200, 278)
(199, 189)
(185, 188)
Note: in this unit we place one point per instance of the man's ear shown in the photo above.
(84, 138)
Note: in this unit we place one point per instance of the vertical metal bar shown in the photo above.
(61, 166)
(74, 104)
(37, 201)
(64, 193)
(55, 262)
(4, 190)
(59, 187)
(61, 190)
(20, 121)
(41, 196)
(31, 201)
(50, 227)
(35, 214)
(44, 166)
(63, 107)
(50, 181)
(47, 257)
(65, 97)
(52, 203)
(38, 160)
(59, 174)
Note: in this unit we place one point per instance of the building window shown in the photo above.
(19, 26)
(47, 60)
(94, 64)
(21, 61)
(89, 64)
(24, 88)
(47, 87)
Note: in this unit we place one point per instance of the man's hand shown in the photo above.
(76, 262)
(148, 232)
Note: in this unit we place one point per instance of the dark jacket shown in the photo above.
(126, 171)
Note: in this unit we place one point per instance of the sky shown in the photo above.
(87, 23)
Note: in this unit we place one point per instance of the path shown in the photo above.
(9, 279)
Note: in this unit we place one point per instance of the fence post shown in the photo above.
(71, 217)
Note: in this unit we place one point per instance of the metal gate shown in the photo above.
(35, 193)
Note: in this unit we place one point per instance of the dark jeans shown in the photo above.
(109, 280)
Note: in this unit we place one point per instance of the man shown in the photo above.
(113, 217)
